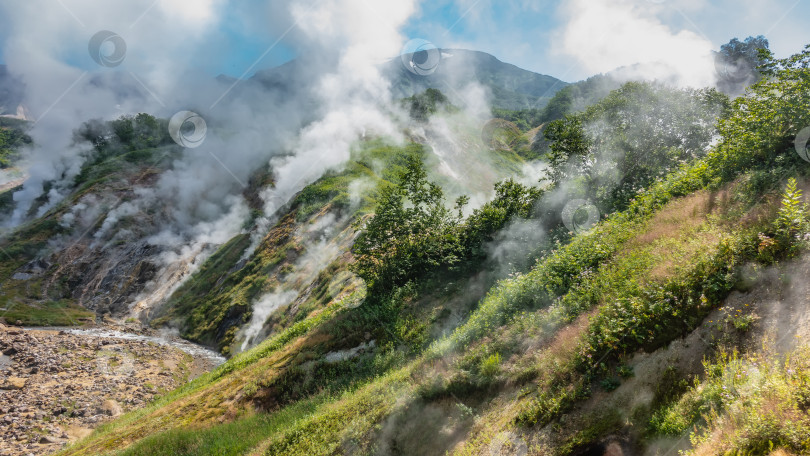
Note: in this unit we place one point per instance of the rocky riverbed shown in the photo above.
(56, 386)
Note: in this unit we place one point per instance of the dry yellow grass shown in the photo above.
(221, 401)
(781, 452)
(679, 232)
(677, 216)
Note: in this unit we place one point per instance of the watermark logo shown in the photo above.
(730, 70)
(421, 57)
(113, 363)
(509, 444)
(579, 215)
(801, 143)
(188, 129)
(499, 134)
(107, 48)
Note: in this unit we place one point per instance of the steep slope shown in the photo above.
(53, 272)
(589, 351)
(82, 255)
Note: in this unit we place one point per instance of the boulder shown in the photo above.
(14, 383)
(48, 440)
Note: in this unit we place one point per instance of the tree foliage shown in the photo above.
(406, 234)
(633, 137)
(11, 139)
(6, 152)
(413, 233)
(126, 133)
(423, 105)
(763, 125)
(737, 63)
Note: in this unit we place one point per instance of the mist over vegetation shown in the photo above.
(435, 252)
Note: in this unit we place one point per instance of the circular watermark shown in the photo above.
(801, 143)
(107, 48)
(509, 444)
(421, 57)
(730, 70)
(188, 129)
(112, 363)
(499, 133)
(579, 215)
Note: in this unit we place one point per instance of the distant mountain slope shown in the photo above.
(510, 87)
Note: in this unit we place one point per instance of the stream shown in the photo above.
(195, 350)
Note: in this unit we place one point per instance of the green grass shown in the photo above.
(576, 277)
(217, 300)
(234, 438)
(541, 343)
(24, 299)
(51, 313)
(196, 304)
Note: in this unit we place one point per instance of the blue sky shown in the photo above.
(536, 35)
(527, 33)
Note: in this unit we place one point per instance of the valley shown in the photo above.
(218, 237)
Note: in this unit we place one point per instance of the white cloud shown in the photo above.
(192, 12)
(603, 35)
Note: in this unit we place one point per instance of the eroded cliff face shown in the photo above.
(108, 274)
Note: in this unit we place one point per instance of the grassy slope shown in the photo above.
(212, 305)
(610, 272)
(534, 364)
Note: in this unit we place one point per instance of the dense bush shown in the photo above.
(744, 405)
(421, 106)
(127, 133)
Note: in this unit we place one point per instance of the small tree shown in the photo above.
(411, 232)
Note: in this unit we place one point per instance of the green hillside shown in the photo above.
(661, 312)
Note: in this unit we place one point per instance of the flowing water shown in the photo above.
(197, 351)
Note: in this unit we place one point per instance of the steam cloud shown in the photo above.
(299, 130)
(608, 34)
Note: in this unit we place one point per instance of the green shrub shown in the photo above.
(491, 366)
(792, 221)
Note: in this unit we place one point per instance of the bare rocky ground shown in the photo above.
(56, 387)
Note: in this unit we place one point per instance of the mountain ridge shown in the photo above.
(510, 86)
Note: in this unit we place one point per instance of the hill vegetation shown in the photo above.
(622, 302)
(599, 342)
